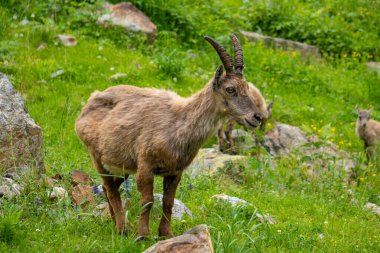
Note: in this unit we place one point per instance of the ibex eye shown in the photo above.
(230, 90)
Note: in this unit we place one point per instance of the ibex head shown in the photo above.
(232, 88)
(363, 116)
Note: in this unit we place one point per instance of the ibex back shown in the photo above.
(155, 132)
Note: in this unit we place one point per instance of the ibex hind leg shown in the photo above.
(111, 189)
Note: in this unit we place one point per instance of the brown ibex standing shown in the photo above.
(368, 130)
(265, 110)
(156, 132)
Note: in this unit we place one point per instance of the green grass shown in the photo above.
(323, 214)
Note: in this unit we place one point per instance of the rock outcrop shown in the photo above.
(20, 137)
(284, 139)
(305, 49)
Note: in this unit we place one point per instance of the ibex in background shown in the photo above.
(266, 112)
(368, 130)
(156, 132)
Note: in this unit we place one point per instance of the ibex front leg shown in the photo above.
(221, 139)
(230, 128)
(170, 187)
(144, 180)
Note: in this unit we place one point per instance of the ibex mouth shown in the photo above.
(251, 124)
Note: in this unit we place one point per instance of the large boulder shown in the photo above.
(285, 139)
(126, 15)
(20, 137)
(305, 49)
(209, 160)
(195, 240)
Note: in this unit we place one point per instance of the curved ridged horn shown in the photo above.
(223, 55)
(239, 61)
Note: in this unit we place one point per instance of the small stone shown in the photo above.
(67, 40)
(375, 208)
(80, 177)
(57, 73)
(269, 219)
(103, 211)
(24, 22)
(82, 196)
(9, 188)
(232, 200)
(58, 193)
(117, 76)
(179, 208)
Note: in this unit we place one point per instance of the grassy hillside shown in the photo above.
(324, 214)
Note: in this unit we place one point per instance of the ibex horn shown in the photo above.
(223, 55)
(239, 61)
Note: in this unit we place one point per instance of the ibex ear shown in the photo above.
(269, 107)
(218, 74)
(357, 108)
(370, 110)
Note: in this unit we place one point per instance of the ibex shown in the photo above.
(156, 132)
(265, 110)
(368, 130)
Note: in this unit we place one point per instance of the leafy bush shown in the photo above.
(337, 27)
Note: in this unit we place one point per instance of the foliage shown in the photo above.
(337, 27)
(321, 213)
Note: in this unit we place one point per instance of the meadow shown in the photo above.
(325, 214)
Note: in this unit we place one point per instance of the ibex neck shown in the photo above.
(200, 116)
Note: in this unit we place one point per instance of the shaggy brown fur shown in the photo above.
(156, 132)
(266, 112)
(368, 130)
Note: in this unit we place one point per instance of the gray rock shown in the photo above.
(117, 76)
(59, 72)
(20, 137)
(232, 200)
(58, 193)
(67, 40)
(374, 66)
(305, 49)
(179, 208)
(9, 188)
(209, 160)
(266, 218)
(126, 15)
(375, 208)
(102, 210)
(196, 240)
(284, 138)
